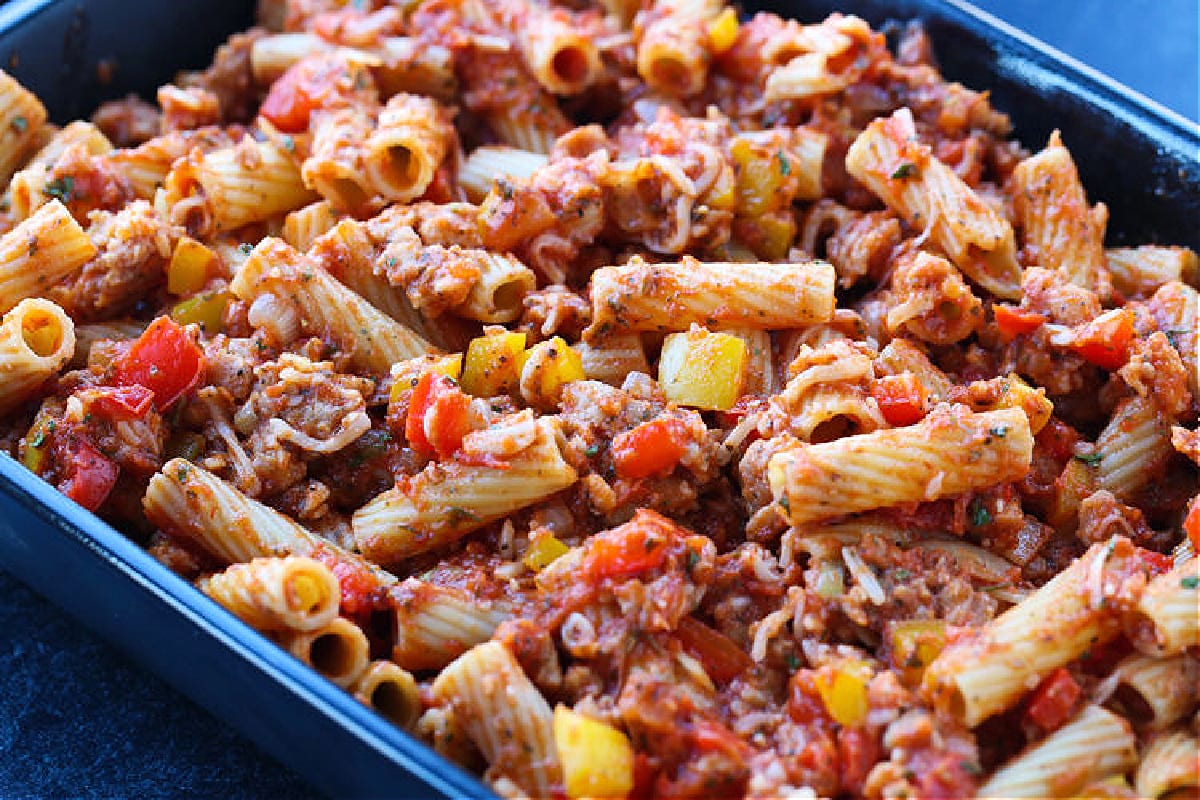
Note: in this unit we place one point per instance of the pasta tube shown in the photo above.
(1166, 620)
(950, 452)
(326, 307)
(391, 691)
(37, 339)
(270, 594)
(673, 47)
(1060, 232)
(504, 714)
(671, 297)
(1093, 746)
(191, 503)
(339, 651)
(22, 116)
(487, 163)
(407, 146)
(888, 160)
(448, 500)
(40, 252)
(1156, 692)
(334, 168)
(1141, 270)
(989, 672)
(228, 188)
(437, 624)
(1170, 762)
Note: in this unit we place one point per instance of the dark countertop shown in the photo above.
(77, 719)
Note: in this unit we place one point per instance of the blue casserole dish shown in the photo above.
(76, 54)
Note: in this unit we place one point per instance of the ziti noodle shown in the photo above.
(675, 403)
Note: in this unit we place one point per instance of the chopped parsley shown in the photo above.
(691, 559)
(245, 248)
(905, 170)
(793, 662)
(62, 188)
(999, 431)
(980, 516)
(592, 449)
(785, 166)
(1091, 459)
(19, 124)
(1190, 582)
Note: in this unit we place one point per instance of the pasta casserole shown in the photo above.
(631, 399)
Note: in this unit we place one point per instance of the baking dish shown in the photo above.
(344, 749)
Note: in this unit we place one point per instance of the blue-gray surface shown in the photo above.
(78, 720)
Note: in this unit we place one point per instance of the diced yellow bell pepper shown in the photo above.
(450, 366)
(559, 364)
(1035, 404)
(34, 445)
(702, 369)
(405, 374)
(723, 31)
(542, 551)
(206, 310)
(915, 644)
(190, 267)
(722, 195)
(843, 689)
(831, 580)
(761, 175)
(493, 364)
(774, 233)
(597, 759)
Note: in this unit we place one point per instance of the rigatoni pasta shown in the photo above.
(732, 386)
(37, 339)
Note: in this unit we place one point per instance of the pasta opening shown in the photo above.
(833, 428)
(352, 195)
(1130, 702)
(570, 65)
(42, 333)
(509, 297)
(390, 700)
(669, 73)
(401, 167)
(332, 654)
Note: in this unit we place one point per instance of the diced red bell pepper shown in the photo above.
(1012, 321)
(90, 474)
(1155, 563)
(1053, 700)
(164, 359)
(308, 84)
(637, 546)
(438, 416)
(722, 659)
(902, 399)
(651, 449)
(123, 402)
(1105, 340)
(1192, 525)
